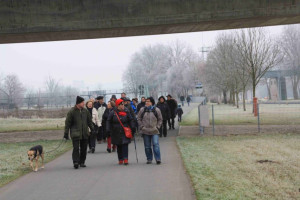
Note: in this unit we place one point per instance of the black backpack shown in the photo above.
(153, 110)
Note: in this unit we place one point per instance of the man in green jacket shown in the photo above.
(77, 122)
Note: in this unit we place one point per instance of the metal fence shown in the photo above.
(229, 120)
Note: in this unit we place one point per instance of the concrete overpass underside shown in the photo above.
(54, 20)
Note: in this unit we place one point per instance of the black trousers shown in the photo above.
(171, 122)
(92, 141)
(179, 118)
(122, 151)
(79, 151)
(100, 135)
(163, 129)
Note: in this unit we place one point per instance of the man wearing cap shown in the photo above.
(173, 107)
(128, 106)
(77, 123)
(113, 98)
(101, 107)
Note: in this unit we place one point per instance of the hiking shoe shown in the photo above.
(158, 162)
(121, 162)
(82, 165)
(76, 165)
(149, 162)
(90, 151)
(125, 161)
(108, 150)
(93, 150)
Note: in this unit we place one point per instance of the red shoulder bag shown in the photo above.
(127, 130)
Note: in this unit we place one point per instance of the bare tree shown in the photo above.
(13, 90)
(30, 98)
(290, 43)
(52, 89)
(259, 53)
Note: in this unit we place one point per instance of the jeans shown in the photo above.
(79, 151)
(188, 103)
(122, 150)
(148, 139)
(163, 129)
(182, 102)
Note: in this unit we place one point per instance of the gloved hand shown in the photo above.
(66, 136)
(133, 132)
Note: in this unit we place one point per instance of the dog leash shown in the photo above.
(63, 141)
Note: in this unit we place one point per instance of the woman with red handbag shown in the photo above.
(120, 126)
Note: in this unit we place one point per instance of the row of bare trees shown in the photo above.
(239, 61)
(13, 94)
(172, 68)
(290, 45)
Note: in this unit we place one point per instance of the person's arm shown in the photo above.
(140, 118)
(159, 118)
(131, 123)
(168, 112)
(68, 124)
(109, 123)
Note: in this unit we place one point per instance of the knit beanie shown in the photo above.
(118, 101)
(79, 100)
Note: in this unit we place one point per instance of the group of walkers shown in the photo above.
(117, 122)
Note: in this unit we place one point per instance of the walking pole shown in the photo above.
(137, 160)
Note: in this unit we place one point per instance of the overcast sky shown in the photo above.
(87, 63)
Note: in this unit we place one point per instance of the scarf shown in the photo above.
(122, 113)
(90, 110)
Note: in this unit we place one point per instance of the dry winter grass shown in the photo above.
(14, 124)
(14, 161)
(227, 167)
(270, 114)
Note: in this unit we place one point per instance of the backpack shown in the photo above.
(154, 112)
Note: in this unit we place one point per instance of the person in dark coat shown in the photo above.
(77, 122)
(116, 131)
(110, 107)
(179, 112)
(113, 98)
(182, 99)
(188, 100)
(173, 106)
(165, 111)
(141, 105)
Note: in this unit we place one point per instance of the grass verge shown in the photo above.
(14, 161)
(14, 124)
(270, 114)
(227, 167)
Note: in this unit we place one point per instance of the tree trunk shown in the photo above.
(225, 96)
(295, 83)
(244, 100)
(269, 89)
(253, 92)
(233, 98)
(237, 100)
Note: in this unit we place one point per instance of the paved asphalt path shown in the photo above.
(104, 179)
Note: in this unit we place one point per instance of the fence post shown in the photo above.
(258, 118)
(213, 119)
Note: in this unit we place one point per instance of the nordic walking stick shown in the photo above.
(137, 160)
